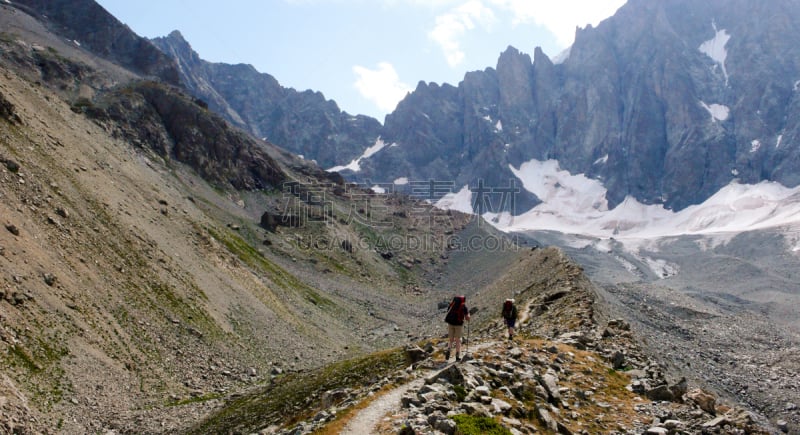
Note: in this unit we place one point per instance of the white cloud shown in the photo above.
(450, 27)
(561, 17)
(382, 86)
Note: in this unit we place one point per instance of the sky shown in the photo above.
(364, 54)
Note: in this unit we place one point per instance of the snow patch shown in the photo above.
(574, 204)
(630, 267)
(355, 164)
(378, 189)
(603, 245)
(559, 189)
(661, 268)
(715, 48)
(402, 181)
(603, 160)
(755, 145)
(778, 142)
(793, 242)
(460, 201)
(498, 126)
(718, 111)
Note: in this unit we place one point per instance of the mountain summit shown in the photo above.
(304, 123)
(666, 102)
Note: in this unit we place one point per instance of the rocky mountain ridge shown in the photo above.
(584, 376)
(632, 105)
(86, 23)
(666, 101)
(304, 123)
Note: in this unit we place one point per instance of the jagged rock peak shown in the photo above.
(511, 53)
(303, 122)
(177, 35)
(539, 57)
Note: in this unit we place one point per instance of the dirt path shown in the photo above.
(366, 420)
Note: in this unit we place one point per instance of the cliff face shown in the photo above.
(665, 101)
(304, 123)
(88, 24)
(177, 128)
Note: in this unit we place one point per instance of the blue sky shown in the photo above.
(364, 54)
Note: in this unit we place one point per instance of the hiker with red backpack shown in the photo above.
(510, 316)
(457, 314)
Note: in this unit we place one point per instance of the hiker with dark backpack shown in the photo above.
(457, 314)
(510, 316)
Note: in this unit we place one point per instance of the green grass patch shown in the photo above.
(474, 425)
(7, 37)
(461, 392)
(295, 396)
(21, 357)
(190, 313)
(253, 258)
(44, 375)
(196, 399)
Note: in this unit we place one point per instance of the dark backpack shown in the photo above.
(455, 312)
(509, 310)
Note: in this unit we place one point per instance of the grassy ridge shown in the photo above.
(295, 396)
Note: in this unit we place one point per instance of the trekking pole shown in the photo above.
(467, 351)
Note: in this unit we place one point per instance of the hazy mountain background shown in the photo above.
(665, 101)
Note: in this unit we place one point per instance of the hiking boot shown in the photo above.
(447, 354)
(458, 357)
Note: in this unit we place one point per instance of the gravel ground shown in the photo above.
(724, 312)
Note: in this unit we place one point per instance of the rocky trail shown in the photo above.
(368, 418)
(585, 382)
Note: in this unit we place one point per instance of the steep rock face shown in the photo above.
(153, 115)
(515, 80)
(87, 23)
(665, 101)
(304, 123)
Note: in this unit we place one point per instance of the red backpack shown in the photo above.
(455, 312)
(507, 305)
